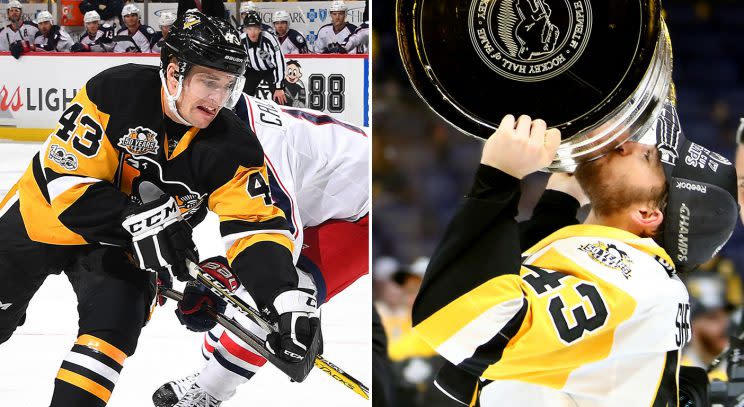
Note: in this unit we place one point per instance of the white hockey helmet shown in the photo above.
(15, 4)
(247, 6)
(44, 16)
(166, 18)
(91, 16)
(338, 5)
(280, 15)
(130, 9)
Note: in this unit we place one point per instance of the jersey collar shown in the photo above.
(184, 142)
(643, 244)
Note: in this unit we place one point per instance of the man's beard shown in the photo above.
(15, 20)
(610, 197)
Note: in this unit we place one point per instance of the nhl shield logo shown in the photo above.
(529, 40)
(139, 141)
(323, 14)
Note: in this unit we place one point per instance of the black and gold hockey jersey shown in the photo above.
(114, 142)
(589, 316)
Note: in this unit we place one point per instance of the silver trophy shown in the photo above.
(598, 71)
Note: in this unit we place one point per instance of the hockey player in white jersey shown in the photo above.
(51, 37)
(593, 314)
(18, 36)
(134, 36)
(319, 176)
(165, 21)
(331, 36)
(291, 40)
(95, 38)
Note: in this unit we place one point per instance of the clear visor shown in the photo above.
(215, 89)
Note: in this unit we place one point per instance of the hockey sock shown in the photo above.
(231, 365)
(88, 373)
(210, 341)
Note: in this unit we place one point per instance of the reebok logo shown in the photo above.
(692, 187)
(5, 307)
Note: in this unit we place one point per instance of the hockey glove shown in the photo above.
(79, 47)
(160, 237)
(162, 279)
(16, 49)
(191, 310)
(296, 314)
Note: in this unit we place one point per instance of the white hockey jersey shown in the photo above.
(596, 317)
(138, 42)
(26, 32)
(293, 43)
(327, 35)
(99, 42)
(57, 40)
(318, 167)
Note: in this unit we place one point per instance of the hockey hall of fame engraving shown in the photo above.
(529, 40)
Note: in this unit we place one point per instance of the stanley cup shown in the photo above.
(599, 71)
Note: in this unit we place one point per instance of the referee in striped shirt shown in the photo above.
(265, 59)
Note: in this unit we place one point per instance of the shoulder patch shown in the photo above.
(300, 38)
(150, 30)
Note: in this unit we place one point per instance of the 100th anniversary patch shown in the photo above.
(529, 40)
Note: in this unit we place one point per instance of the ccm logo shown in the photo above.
(153, 219)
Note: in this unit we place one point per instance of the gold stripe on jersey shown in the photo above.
(233, 202)
(40, 220)
(248, 241)
(443, 324)
(84, 383)
(102, 346)
(9, 195)
(183, 143)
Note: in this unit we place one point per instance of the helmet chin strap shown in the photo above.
(173, 98)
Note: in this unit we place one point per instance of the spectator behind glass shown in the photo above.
(165, 20)
(710, 319)
(18, 36)
(108, 10)
(134, 36)
(95, 38)
(51, 37)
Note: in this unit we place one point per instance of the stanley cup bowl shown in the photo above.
(599, 71)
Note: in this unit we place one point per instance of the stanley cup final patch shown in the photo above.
(139, 141)
(529, 40)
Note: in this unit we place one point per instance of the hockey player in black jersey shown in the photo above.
(90, 204)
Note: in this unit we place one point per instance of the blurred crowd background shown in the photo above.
(422, 166)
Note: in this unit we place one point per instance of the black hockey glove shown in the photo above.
(335, 48)
(160, 237)
(296, 314)
(191, 310)
(79, 47)
(16, 49)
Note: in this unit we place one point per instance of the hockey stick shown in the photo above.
(296, 371)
